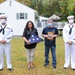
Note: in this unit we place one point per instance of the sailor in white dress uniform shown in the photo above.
(69, 39)
(6, 34)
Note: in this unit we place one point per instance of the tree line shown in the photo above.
(46, 8)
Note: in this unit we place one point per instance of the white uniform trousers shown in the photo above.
(30, 54)
(5, 49)
(70, 56)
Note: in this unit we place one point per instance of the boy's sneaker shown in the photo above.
(54, 67)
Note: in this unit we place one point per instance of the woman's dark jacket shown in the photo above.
(27, 34)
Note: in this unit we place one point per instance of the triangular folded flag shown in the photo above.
(35, 39)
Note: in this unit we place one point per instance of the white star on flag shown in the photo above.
(35, 39)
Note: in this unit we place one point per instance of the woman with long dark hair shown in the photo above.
(30, 48)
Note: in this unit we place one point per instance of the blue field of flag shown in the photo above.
(35, 39)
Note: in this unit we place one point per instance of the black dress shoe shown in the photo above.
(74, 69)
(65, 67)
(10, 69)
(1, 69)
(46, 65)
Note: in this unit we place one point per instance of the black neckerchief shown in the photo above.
(2, 29)
(70, 31)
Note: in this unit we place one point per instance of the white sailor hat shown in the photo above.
(3, 15)
(69, 17)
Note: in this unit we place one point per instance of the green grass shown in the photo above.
(19, 60)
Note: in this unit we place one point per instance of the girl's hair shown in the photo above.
(27, 28)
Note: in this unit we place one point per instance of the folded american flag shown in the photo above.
(35, 39)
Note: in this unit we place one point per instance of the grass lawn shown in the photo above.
(19, 60)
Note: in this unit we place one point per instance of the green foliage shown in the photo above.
(71, 7)
(27, 2)
(63, 20)
(62, 8)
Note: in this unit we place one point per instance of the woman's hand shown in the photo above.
(28, 42)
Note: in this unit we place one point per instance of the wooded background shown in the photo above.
(46, 8)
